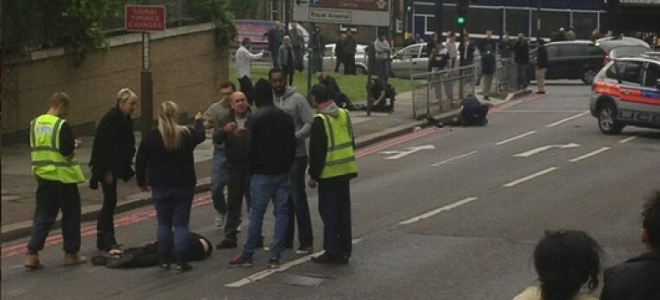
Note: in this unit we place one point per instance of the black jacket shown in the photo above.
(521, 52)
(542, 58)
(488, 64)
(635, 279)
(114, 146)
(236, 146)
(272, 144)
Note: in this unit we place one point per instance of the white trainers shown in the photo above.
(219, 220)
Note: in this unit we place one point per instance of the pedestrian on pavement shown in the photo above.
(565, 261)
(521, 58)
(639, 277)
(287, 59)
(271, 151)
(438, 62)
(339, 53)
(488, 66)
(431, 45)
(505, 46)
(350, 48)
(332, 166)
(467, 49)
(298, 42)
(570, 34)
(382, 49)
(234, 136)
(112, 159)
(541, 66)
(335, 92)
(487, 41)
(275, 36)
(317, 45)
(58, 173)
(452, 49)
(295, 104)
(214, 118)
(165, 164)
(243, 64)
(383, 95)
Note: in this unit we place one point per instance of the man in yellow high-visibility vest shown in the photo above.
(331, 167)
(54, 165)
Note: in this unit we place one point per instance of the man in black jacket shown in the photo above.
(541, 66)
(521, 58)
(639, 277)
(488, 66)
(271, 151)
(112, 158)
(235, 137)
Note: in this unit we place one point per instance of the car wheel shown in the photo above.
(588, 76)
(361, 70)
(607, 122)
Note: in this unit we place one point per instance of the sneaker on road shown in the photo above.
(304, 250)
(219, 220)
(226, 244)
(240, 261)
(273, 264)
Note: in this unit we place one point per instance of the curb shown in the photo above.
(23, 229)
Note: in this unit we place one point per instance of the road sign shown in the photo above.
(544, 148)
(396, 154)
(145, 18)
(349, 12)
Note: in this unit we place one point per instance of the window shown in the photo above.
(408, 53)
(612, 72)
(553, 51)
(573, 50)
(594, 51)
(651, 76)
(630, 71)
(424, 53)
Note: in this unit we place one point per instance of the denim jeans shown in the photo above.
(173, 211)
(335, 210)
(105, 223)
(53, 196)
(219, 179)
(262, 189)
(299, 207)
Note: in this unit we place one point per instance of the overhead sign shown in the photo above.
(145, 18)
(348, 12)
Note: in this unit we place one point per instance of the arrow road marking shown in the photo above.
(530, 177)
(544, 148)
(410, 150)
(515, 138)
(590, 154)
(438, 210)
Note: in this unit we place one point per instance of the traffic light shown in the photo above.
(408, 7)
(462, 7)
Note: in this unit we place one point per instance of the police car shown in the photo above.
(627, 92)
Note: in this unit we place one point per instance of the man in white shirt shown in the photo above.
(382, 48)
(243, 59)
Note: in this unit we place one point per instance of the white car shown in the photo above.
(414, 59)
(330, 60)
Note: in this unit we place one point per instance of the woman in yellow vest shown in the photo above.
(54, 165)
(331, 167)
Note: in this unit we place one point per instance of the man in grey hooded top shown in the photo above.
(292, 102)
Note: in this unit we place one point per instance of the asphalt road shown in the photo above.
(438, 214)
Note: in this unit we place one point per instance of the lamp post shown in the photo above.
(538, 21)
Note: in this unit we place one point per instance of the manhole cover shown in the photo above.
(303, 280)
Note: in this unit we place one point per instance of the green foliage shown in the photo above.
(245, 9)
(218, 12)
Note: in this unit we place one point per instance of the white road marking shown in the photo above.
(628, 139)
(567, 119)
(410, 150)
(438, 210)
(454, 158)
(265, 273)
(590, 154)
(541, 111)
(544, 148)
(530, 177)
(515, 138)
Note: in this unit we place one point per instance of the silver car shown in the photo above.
(414, 59)
(330, 59)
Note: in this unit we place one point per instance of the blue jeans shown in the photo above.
(173, 211)
(299, 207)
(219, 179)
(262, 189)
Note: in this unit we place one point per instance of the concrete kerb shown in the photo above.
(19, 230)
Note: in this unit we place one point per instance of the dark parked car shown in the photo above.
(580, 59)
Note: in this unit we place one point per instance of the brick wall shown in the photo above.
(186, 64)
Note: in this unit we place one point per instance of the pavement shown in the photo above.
(18, 185)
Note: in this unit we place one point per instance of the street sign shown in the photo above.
(145, 18)
(544, 148)
(349, 12)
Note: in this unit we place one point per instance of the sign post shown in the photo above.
(145, 19)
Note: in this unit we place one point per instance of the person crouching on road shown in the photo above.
(112, 159)
(473, 113)
(234, 136)
(54, 165)
(166, 155)
(565, 261)
(332, 166)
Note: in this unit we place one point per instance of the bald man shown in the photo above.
(235, 137)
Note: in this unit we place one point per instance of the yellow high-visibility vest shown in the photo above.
(340, 159)
(47, 162)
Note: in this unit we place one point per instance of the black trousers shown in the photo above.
(349, 64)
(289, 70)
(339, 60)
(335, 209)
(53, 196)
(238, 188)
(299, 207)
(105, 223)
(247, 88)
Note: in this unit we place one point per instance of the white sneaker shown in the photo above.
(219, 220)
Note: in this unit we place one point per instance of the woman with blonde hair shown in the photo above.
(112, 159)
(165, 163)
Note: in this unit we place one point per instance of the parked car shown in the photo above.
(330, 59)
(627, 92)
(414, 59)
(579, 59)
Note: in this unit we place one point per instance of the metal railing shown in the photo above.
(441, 90)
